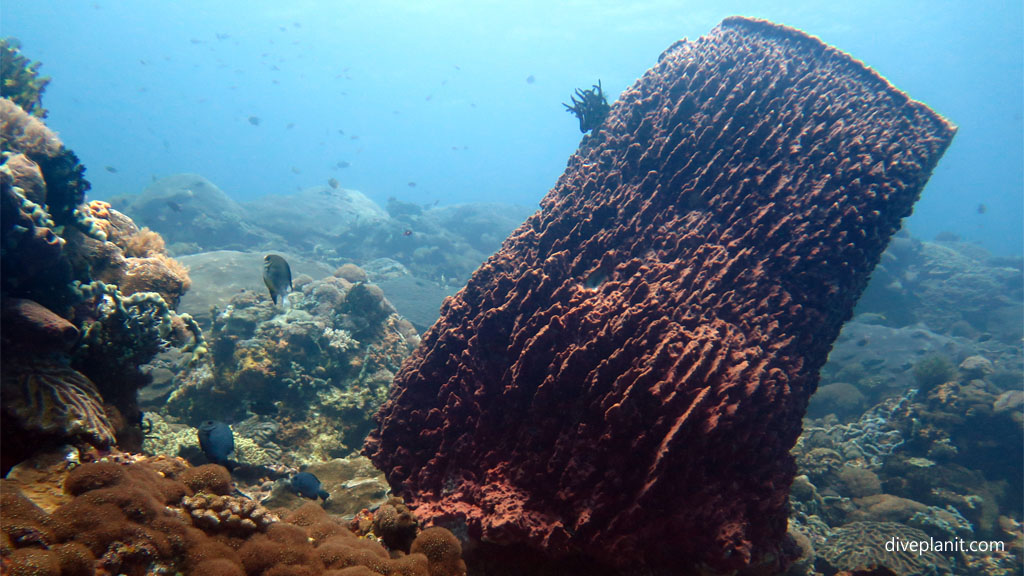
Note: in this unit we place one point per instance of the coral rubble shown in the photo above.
(625, 378)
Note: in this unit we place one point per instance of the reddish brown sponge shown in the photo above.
(626, 376)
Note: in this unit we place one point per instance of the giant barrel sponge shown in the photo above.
(626, 376)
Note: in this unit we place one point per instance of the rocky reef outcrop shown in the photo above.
(317, 371)
(626, 377)
(85, 295)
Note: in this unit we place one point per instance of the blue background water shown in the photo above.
(436, 93)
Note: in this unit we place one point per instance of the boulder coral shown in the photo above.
(626, 376)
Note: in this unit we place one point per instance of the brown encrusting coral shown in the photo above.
(156, 516)
(625, 378)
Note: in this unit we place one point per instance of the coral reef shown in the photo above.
(933, 371)
(943, 457)
(353, 483)
(140, 518)
(862, 545)
(22, 83)
(672, 301)
(78, 341)
(317, 371)
(444, 245)
(952, 288)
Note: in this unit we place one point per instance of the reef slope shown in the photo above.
(626, 376)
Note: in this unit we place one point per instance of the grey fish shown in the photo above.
(307, 485)
(277, 275)
(216, 441)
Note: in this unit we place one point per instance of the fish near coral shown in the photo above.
(217, 441)
(277, 275)
(307, 485)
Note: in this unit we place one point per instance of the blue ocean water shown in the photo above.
(459, 102)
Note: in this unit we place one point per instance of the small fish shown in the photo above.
(222, 36)
(290, 126)
(412, 184)
(982, 208)
(217, 441)
(340, 131)
(307, 485)
(333, 183)
(530, 79)
(254, 120)
(407, 232)
(342, 164)
(277, 275)
(110, 169)
(296, 170)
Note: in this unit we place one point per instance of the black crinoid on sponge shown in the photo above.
(590, 106)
